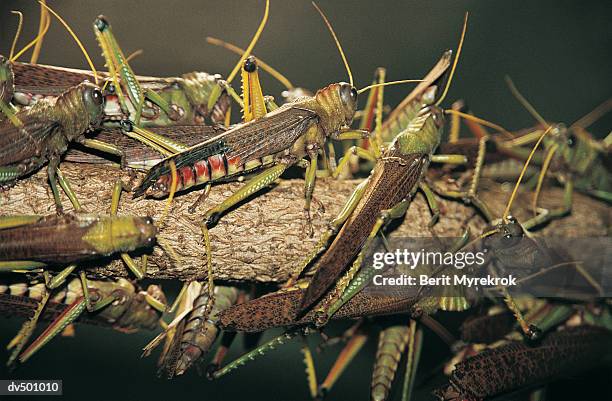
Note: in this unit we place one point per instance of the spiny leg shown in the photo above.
(253, 186)
(334, 226)
(138, 272)
(415, 343)
(27, 329)
(259, 351)
(72, 312)
(331, 304)
(350, 350)
(311, 375)
(469, 197)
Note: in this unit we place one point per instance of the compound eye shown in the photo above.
(97, 97)
(571, 141)
(354, 94)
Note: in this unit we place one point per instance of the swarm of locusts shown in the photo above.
(176, 134)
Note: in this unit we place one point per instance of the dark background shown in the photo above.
(558, 53)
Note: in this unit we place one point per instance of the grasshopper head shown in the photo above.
(93, 102)
(509, 234)
(336, 106)
(348, 95)
(101, 23)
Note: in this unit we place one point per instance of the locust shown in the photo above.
(574, 158)
(576, 346)
(194, 331)
(281, 138)
(184, 100)
(571, 155)
(45, 131)
(199, 89)
(131, 313)
(118, 303)
(34, 242)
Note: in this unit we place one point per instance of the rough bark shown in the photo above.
(264, 239)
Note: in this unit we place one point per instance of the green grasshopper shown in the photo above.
(117, 303)
(184, 99)
(574, 158)
(42, 134)
(33, 242)
(571, 155)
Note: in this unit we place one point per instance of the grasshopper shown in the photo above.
(70, 238)
(398, 168)
(572, 156)
(182, 99)
(278, 140)
(36, 242)
(118, 303)
(194, 331)
(128, 315)
(44, 131)
(561, 353)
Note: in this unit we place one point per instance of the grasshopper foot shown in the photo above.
(534, 333)
(211, 220)
(308, 229)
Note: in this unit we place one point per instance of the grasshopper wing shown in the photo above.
(20, 143)
(271, 134)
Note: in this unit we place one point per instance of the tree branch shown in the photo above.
(263, 240)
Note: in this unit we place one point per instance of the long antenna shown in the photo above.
(518, 182)
(34, 41)
(524, 102)
(403, 81)
(249, 49)
(44, 17)
(74, 36)
(17, 33)
(331, 30)
(452, 73)
(264, 66)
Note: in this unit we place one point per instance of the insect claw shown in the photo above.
(210, 371)
(212, 220)
(309, 228)
(534, 333)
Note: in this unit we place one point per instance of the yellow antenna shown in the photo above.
(403, 81)
(452, 73)
(518, 182)
(331, 30)
(524, 102)
(479, 121)
(44, 17)
(33, 42)
(17, 33)
(263, 65)
(252, 44)
(76, 39)
(545, 165)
